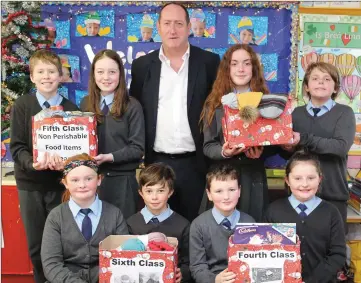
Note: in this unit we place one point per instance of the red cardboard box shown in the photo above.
(66, 136)
(262, 132)
(135, 266)
(265, 263)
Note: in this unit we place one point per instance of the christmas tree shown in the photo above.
(20, 38)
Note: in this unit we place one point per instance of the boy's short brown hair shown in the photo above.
(220, 172)
(325, 68)
(157, 173)
(45, 56)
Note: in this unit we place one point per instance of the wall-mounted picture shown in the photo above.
(95, 23)
(63, 91)
(247, 30)
(58, 33)
(79, 94)
(70, 68)
(269, 63)
(202, 23)
(142, 28)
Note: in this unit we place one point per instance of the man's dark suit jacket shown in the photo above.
(203, 66)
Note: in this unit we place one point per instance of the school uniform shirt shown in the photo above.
(311, 204)
(53, 101)
(147, 215)
(170, 224)
(323, 109)
(323, 245)
(108, 99)
(21, 144)
(66, 255)
(233, 218)
(208, 242)
(94, 215)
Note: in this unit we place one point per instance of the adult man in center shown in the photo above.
(172, 84)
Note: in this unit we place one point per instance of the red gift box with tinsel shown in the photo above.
(262, 132)
(265, 262)
(66, 136)
(135, 266)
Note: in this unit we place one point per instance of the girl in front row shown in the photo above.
(319, 223)
(73, 230)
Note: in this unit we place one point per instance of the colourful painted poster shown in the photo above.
(332, 35)
(335, 40)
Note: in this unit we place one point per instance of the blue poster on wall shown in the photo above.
(131, 30)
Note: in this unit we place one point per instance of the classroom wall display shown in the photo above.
(130, 28)
(335, 40)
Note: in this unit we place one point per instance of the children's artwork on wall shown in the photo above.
(121, 23)
(79, 94)
(248, 30)
(58, 33)
(70, 68)
(63, 91)
(335, 40)
(95, 23)
(270, 65)
(142, 28)
(203, 23)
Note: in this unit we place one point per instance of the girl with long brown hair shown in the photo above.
(239, 71)
(121, 130)
(73, 230)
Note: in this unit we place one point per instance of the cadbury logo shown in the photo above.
(243, 230)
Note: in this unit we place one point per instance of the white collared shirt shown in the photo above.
(108, 100)
(173, 133)
(94, 215)
(164, 215)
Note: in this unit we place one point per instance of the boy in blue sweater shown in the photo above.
(210, 231)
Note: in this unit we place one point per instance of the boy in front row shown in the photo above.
(210, 231)
(156, 183)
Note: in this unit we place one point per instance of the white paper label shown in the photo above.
(65, 140)
(138, 269)
(266, 266)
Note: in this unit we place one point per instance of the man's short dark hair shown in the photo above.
(178, 4)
